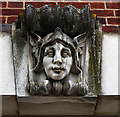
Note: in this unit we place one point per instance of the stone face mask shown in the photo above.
(67, 27)
(56, 36)
(58, 77)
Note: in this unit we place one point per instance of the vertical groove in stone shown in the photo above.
(96, 105)
(95, 58)
(13, 31)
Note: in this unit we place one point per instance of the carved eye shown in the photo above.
(49, 53)
(65, 53)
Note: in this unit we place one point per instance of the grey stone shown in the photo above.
(56, 105)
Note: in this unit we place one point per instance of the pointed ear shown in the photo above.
(34, 39)
(35, 43)
(78, 38)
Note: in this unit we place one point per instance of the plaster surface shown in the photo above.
(7, 84)
(110, 64)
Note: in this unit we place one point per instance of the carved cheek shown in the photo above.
(47, 61)
(68, 63)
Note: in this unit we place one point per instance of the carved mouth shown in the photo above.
(58, 70)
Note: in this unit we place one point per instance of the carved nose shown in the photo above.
(57, 59)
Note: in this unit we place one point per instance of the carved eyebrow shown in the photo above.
(48, 48)
(67, 50)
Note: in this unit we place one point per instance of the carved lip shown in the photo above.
(58, 69)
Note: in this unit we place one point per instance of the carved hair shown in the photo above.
(71, 20)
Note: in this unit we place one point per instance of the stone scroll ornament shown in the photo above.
(56, 56)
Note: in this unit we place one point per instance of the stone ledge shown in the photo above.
(107, 105)
(56, 105)
(43, 105)
(9, 105)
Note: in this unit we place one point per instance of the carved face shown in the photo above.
(57, 61)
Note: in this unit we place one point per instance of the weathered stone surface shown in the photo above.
(75, 24)
(71, 20)
(56, 105)
(20, 54)
(56, 57)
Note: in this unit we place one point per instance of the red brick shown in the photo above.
(102, 12)
(113, 5)
(108, 29)
(114, 21)
(76, 4)
(97, 5)
(70, 0)
(40, 4)
(55, 0)
(102, 20)
(11, 11)
(3, 4)
(2, 20)
(15, 4)
(117, 13)
(11, 19)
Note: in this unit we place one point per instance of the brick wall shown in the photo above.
(108, 12)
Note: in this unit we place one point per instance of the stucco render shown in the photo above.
(110, 64)
(7, 84)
